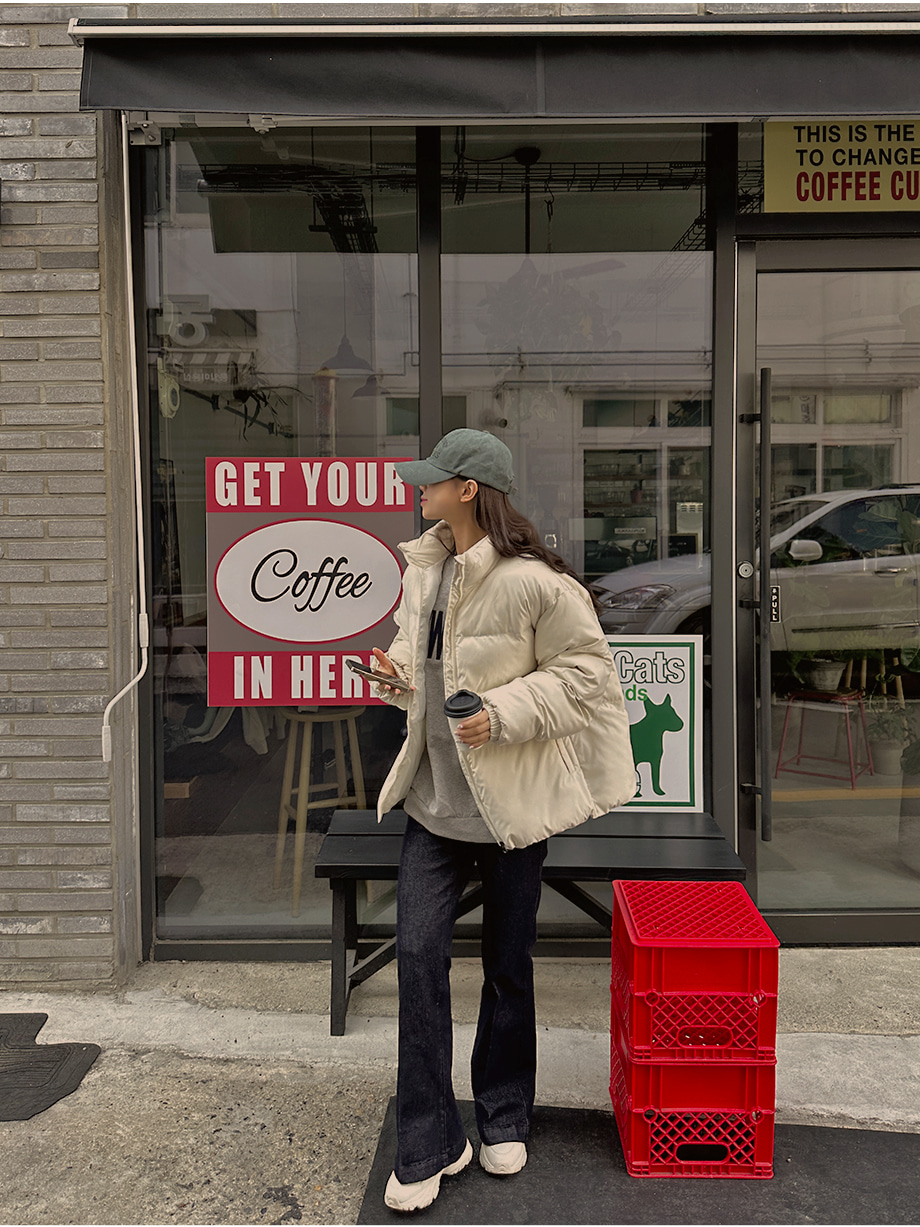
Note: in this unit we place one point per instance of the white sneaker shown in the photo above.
(417, 1196)
(504, 1158)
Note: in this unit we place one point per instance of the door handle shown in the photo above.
(891, 570)
(766, 683)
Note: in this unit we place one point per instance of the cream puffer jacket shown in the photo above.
(527, 640)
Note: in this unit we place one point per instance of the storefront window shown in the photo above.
(282, 322)
(283, 310)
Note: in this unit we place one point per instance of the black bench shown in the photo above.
(629, 844)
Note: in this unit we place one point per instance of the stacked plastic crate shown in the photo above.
(695, 971)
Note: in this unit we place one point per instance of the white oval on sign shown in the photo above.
(308, 581)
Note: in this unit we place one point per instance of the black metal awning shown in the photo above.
(518, 72)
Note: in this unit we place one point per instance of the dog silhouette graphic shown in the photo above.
(647, 738)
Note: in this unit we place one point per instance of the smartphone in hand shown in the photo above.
(372, 675)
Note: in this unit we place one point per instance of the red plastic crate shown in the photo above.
(693, 1119)
(694, 1026)
(693, 937)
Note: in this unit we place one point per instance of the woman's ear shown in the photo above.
(469, 491)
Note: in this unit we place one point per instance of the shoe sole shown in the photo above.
(421, 1199)
(499, 1171)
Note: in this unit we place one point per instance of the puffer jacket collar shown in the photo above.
(431, 548)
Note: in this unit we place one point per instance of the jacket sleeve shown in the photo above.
(559, 697)
(400, 655)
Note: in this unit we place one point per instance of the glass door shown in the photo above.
(837, 508)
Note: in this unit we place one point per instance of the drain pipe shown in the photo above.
(143, 625)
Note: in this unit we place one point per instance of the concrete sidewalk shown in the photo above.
(220, 1096)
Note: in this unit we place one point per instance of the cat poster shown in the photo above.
(662, 680)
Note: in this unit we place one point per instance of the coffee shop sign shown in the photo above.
(302, 556)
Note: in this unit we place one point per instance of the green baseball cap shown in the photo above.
(463, 453)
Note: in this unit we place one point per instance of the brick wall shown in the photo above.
(62, 450)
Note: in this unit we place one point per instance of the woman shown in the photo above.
(485, 607)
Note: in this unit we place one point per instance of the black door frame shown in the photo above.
(871, 249)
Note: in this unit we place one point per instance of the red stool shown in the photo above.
(842, 704)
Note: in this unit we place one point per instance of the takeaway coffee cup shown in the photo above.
(458, 707)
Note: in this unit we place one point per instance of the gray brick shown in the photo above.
(40, 769)
(40, 236)
(64, 572)
(58, 57)
(21, 305)
(80, 792)
(57, 214)
(13, 38)
(10, 126)
(26, 879)
(79, 617)
(84, 879)
(44, 148)
(71, 836)
(76, 528)
(43, 462)
(22, 528)
(67, 125)
(18, 395)
(18, 259)
(20, 573)
(63, 856)
(26, 350)
(82, 902)
(50, 549)
(75, 438)
(70, 259)
(10, 748)
(86, 972)
(20, 617)
(56, 948)
(18, 283)
(14, 81)
(59, 80)
(55, 507)
(57, 728)
(20, 438)
(10, 925)
(25, 792)
(21, 485)
(72, 394)
(74, 168)
(80, 416)
(17, 215)
(85, 924)
(63, 813)
(25, 835)
(68, 304)
(71, 191)
(18, 172)
(80, 327)
(79, 660)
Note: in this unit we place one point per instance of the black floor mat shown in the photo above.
(35, 1076)
(575, 1174)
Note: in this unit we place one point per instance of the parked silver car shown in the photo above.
(847, 564)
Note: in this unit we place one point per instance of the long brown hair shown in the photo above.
(513, 536)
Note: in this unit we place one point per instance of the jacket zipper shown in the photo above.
(452, 602)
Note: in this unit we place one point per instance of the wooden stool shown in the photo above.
(302, 723)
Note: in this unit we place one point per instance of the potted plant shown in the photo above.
(886, 723)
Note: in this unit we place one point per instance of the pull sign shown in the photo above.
(775, 611)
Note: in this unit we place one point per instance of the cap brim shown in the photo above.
(422, 473)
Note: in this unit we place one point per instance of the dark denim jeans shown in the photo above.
(432, 875)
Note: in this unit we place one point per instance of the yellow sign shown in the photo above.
(842, 166)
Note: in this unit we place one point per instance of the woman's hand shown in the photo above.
(476, 730)
(385, 665)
